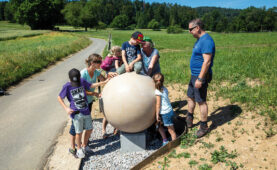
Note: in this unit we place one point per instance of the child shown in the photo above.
(163, 108)
(113, 60)
(131, 54)
(79, 109)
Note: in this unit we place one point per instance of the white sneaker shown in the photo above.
(80, 153)
(87, 149)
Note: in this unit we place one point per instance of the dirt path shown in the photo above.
(234, 128)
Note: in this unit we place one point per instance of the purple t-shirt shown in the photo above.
(77, 97)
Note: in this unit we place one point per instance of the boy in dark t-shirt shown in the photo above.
(131, 54)
(75, 92)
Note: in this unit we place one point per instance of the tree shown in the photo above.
(87, 17)
(38, 14)
(120, 21)
(154, 25)
(72, 12)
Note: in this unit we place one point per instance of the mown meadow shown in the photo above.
(244, 66)
(28, 52)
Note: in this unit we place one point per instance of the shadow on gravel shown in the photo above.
(223, 115)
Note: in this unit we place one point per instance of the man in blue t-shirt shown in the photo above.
(131, 54)
(201, 74)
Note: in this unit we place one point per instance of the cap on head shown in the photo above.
(74, 76)
(147, 39)
(137, 36)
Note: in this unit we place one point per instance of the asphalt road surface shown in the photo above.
(31, 117)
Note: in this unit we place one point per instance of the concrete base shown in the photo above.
(132, 142)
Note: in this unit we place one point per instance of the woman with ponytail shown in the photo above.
(164, 111)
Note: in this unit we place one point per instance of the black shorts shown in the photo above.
(72, 128)
(199, 95)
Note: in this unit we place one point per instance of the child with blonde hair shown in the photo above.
(113, 61)
(163, 108)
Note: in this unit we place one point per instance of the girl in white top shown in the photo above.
(163, 108)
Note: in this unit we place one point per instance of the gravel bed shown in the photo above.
(106, 152)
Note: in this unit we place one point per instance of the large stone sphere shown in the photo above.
(129, 102)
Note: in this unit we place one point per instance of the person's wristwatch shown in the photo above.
(201, 80)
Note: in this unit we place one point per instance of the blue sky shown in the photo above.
(238, 4)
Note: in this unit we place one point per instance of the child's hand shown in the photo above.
(69, 111)
(127, 68)
(158, 118)
(131, 66)
(112, 74)
(97, 94)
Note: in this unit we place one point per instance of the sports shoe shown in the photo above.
(165, 142)
(203, 130)
(80, 153)
(87, 150)
(189, 120)
(73, 152)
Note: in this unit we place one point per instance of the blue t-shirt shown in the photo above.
(146, 60)
(165, 102)
(205, 44)
(85, 75)
(77, 97)
(131, 51)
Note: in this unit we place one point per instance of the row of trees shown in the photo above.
(127, 14)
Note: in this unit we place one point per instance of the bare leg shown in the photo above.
(86, 137)
(78, 140)
(204, 111)
(72, 141)
(172, 132)
(161, 130)
(191, 105)
(104, 125)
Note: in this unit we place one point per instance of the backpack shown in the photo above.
(107, 63)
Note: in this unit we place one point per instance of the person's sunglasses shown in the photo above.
(190, 29)
(98, 61)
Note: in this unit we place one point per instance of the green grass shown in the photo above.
(10, 31)
(240, 58)
(22, 57)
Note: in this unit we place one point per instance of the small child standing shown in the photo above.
(163, 108)
(75, 91)
(113, 60)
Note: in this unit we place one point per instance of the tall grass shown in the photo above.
(247, 62)
(10, 31)
(22, 57)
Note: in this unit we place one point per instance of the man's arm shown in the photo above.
(68, 110)
(205, 67)
(152, 63)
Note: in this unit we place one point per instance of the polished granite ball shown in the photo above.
(129, 102)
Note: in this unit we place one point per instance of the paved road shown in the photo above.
(31, 117)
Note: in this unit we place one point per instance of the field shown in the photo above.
(242, 99)
(244, 66)
(30, 51)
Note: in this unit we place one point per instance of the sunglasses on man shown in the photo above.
(190, 29)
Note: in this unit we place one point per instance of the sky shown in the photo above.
(237, 4)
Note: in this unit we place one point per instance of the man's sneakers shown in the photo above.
(80, 153)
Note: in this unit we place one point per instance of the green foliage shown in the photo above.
(120, 22)
(165, 163)
(154, 25)
(72, 12)
(101, 25)
(205, 167)
(222, 155)
(192, 163)
(188, 139)
(174, 29)
(39, 14)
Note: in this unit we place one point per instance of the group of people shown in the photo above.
(139, 55)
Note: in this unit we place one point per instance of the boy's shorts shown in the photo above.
(72, 128)
(168, 118)
(82, 122)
